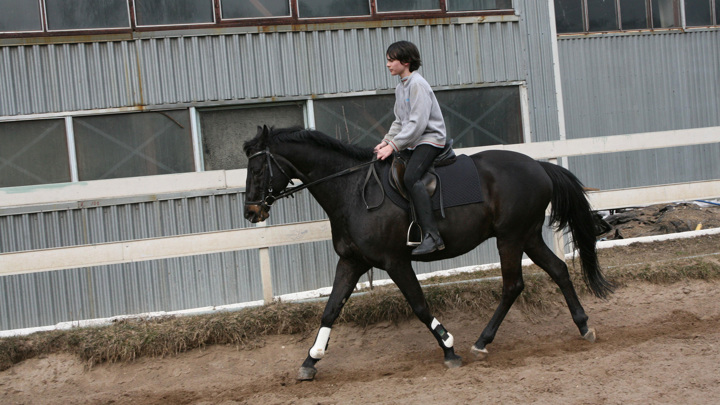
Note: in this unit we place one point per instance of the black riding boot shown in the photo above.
(431, 240)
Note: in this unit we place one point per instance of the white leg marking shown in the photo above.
(318, 349)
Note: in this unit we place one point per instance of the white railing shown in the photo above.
(263, 237)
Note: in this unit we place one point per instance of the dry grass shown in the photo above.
(127, 340)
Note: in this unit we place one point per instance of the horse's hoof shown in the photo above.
(454, 363)
(480, 354)
(590, 335)
(306, 373)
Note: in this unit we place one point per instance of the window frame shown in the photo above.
(679, 16)
(43, 11)
(219, 22)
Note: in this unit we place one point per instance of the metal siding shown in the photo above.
(642, 83)
(234, 67)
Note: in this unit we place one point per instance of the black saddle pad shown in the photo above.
(460, 185)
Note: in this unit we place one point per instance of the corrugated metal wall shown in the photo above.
(642, 83)
(210, 70)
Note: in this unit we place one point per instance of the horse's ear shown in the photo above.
(264, 134)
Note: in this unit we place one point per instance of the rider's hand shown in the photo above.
(384, 152)
(379, 146)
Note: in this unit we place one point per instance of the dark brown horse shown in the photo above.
(516, 189)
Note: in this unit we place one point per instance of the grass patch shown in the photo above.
(126, 340)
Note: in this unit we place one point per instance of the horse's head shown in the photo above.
(266, 178)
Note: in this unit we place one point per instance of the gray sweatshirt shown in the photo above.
(418, 119)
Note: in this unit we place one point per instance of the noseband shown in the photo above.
(267, 199)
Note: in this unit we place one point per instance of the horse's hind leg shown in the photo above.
(511, 267)
(541, 255)
(347, 275)
(407, 282)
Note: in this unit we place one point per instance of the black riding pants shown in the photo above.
(420, 161)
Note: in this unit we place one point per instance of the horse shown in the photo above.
(516, 188)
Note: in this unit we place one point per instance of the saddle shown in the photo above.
(431, 180)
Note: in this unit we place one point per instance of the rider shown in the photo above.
(419, 127)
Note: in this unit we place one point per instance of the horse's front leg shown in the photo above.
(347, 274)
(407, 282)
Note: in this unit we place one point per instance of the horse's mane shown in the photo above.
(308, 136)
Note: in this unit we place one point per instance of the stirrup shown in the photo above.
(417, 232)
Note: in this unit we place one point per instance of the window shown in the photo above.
(665, 14)
(602, 15)
(469, 5)
(634, 14)
(20, 15)
(698, 12)
(86, 14)
(568, 16)
(473, 117)
(611, 15)
(255, 8)
(169, 12)
(407, 5)
(332, 8)
(137, 144)
(224, 131)
(33, 152)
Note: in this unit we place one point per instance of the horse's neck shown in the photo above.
(315, 165)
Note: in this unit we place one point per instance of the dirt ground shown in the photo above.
(656, 344)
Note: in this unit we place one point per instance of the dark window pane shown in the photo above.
(602, 15)
(407, 5)
(473, 117)
(664, 14)
(359, 120)
(568, 16)
(634, 14)
(469, 5)
(129, 145)
(717, 12)
(20, 15)
(479, 117)
(254, 8)
(332, 8)
(697, 12)
(33, 152)
(225, 130)
(168, 12)
(86, 14)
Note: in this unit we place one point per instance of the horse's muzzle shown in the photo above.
(256, 213)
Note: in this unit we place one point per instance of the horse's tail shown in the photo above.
(570, 207)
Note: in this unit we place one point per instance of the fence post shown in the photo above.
(558, 239)
(265, 271)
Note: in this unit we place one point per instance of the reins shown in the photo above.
(290, 191)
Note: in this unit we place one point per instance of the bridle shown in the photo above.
(268, 199)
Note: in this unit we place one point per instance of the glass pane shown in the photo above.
(254, 8)
(602, 15)
(358, 120)
(33, 152)
(473, 117)
(407, 5)
(634, 14)
(479, 117)
(20, 15)
(568, 16)
(717, 12)
(332, 8)
(86, 14)
(129, 145)
(469, 5)
(225, 130)
(168, 12)
(663, 13)
(697, 12)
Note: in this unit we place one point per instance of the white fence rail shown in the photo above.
(262, 237)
